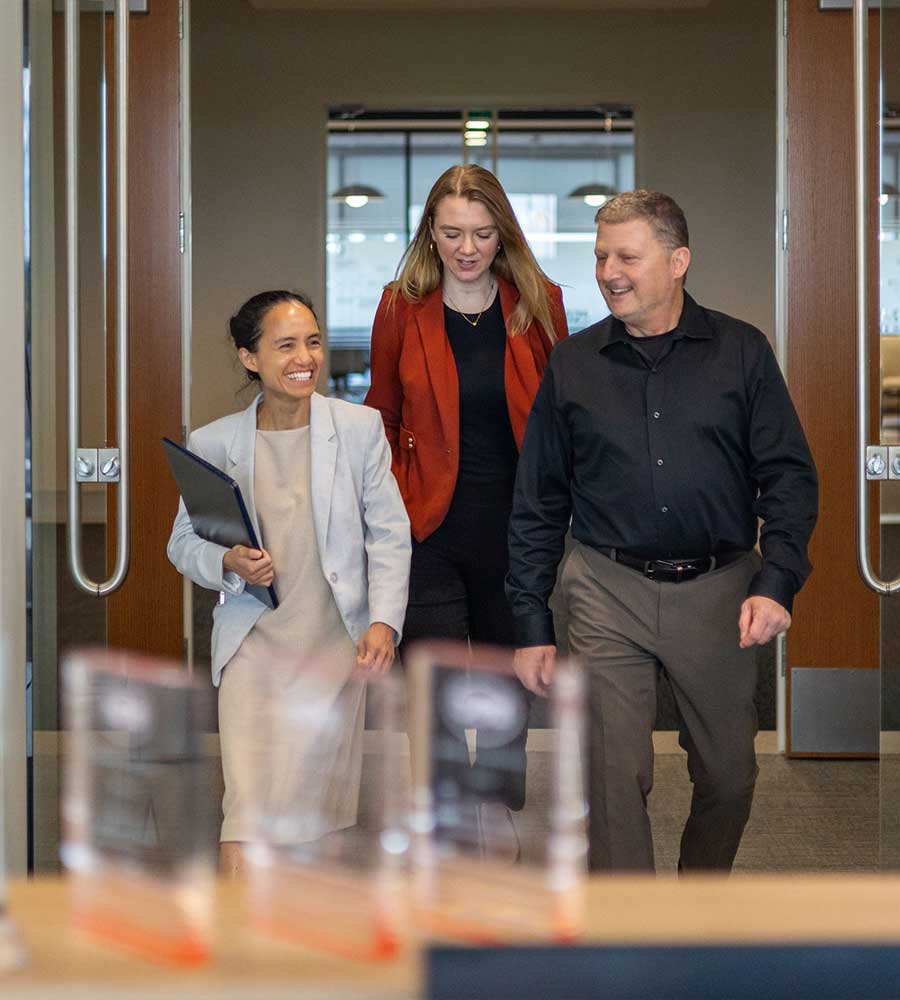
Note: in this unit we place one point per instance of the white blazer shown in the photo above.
(360, 521)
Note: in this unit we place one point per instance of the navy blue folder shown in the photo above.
(215, 506)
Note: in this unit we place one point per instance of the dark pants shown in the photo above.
(624, 628)
(456, 592)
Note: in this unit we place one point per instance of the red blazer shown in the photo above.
(415, 386)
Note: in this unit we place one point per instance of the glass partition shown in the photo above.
(889, 315)
(61, 616)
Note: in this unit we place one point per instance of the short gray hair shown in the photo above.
(659, 210)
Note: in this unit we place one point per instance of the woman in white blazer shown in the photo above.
(316, 476)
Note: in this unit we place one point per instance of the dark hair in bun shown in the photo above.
(245, 326)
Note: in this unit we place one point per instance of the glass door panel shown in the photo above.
(60, 615)
(889, 314)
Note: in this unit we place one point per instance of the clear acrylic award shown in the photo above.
(329, 848)
(138, 818)
(12, 951)
(499, 852)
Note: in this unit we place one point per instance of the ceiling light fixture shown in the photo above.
(595, 195)
(357, 195)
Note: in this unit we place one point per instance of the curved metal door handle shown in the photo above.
(71, 109)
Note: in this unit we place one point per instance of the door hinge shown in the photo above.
(784, 229)
(183, 436)
(181, 232)
(181, 19)
(784, 8)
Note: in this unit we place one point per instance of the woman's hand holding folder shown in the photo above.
(252, 565)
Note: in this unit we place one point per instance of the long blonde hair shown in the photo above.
(420, 270)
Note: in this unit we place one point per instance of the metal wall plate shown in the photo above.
(835, 710)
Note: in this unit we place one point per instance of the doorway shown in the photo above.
(262, 83)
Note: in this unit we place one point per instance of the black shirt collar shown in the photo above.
(693, 323)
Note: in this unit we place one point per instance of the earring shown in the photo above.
(431, 246)
(500, 247)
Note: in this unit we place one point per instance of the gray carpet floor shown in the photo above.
(808, 815)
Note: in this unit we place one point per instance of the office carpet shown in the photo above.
(808, 815)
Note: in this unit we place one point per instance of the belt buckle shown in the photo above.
(678, 568)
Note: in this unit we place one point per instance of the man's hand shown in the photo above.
(534, 666)
(761, 619)
(375, 652)
(252, 565)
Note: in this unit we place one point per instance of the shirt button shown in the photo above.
(656, 414)
(333, 578)
(665, 510)
(659, 461)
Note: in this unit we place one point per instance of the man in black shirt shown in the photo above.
(664, 434)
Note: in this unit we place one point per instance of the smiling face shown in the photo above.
(465, 236)
(288, 355)
(640, 278)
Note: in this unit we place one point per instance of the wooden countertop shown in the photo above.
(621, 910)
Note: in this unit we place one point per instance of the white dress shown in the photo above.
(290, 713)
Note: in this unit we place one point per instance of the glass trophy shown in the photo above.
(492, 864)
(330, 844)
(139, 831)
(12, 952)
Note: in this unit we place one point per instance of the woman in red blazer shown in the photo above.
(459, 344)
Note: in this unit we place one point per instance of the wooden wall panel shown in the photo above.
(146, 614)
(836, 621)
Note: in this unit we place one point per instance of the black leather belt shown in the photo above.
(672, 570)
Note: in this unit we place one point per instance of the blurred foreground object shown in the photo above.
(12, 953)
(138, 817)
(473, 879)
(330, 844)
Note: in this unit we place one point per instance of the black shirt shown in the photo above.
(671, 458)
(487, 446)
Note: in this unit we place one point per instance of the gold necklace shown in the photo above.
(465, 316)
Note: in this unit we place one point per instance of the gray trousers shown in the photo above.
(624, 628)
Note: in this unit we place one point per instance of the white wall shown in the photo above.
(702, 84)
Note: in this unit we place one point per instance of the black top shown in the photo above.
(653, 348)
(669, 459)
(487, 447)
